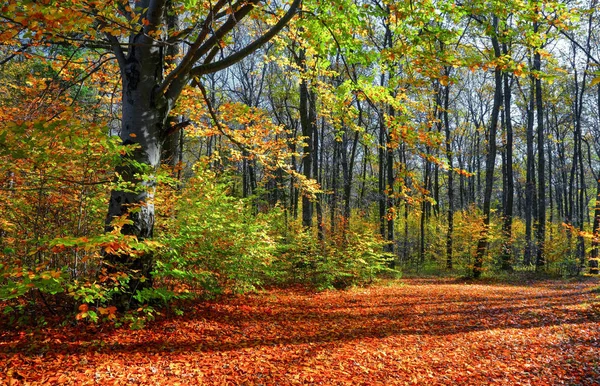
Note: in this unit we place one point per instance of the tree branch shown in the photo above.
(214, 117)
(154, 14)
(188, 59)
(17, 52)
(576, 43)
(117, 50)
(252, 47)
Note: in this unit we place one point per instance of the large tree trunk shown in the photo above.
(147, 98)
(143, 121)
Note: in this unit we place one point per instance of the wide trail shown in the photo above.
(414, 331)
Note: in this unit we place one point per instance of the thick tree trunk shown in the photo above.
(147, 98)
(143, 120)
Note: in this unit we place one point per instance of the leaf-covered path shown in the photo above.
(419, 332)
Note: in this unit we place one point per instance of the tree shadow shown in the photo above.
(314, 319)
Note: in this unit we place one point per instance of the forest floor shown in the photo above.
(413, 331)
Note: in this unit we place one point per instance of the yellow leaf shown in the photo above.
(595, 81)
(81, 315)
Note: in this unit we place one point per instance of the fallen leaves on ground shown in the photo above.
(414, 332)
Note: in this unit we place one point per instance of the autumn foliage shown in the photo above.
(413, 332)
(229, 192)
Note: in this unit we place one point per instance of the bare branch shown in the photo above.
(249, 49)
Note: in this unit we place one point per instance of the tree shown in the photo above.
(138, 37)
(482, 245)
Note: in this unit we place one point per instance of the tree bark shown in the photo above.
(147, 98)
(448, 140)
(483, 242)
(506, 263)
(530, 205)
(593, 261)
(307, 150)
(144, 116)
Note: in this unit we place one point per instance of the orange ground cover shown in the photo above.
(420, 332)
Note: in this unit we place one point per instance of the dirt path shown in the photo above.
(419, 332)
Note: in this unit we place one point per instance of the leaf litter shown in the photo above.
(423, 332)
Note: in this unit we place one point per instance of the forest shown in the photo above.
(281, 184)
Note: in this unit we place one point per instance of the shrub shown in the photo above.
(213, 242)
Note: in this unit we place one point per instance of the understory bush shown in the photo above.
(347, 256)
(213, 242)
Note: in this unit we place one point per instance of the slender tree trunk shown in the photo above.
(334, 185)
(582, 207)
(448, 140)
(424, 208)
(593, 262)
(317, 160)
(509, 193)
(477, 194)
(578, 110)
(173, 143)
(540, 260)
(348, 172)
(391, 180)
(482, 245)
(363, 182)
(551, 184)
(405, 244)
(530, 181)
(381, 180)
(307, 160)
(293, 189)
